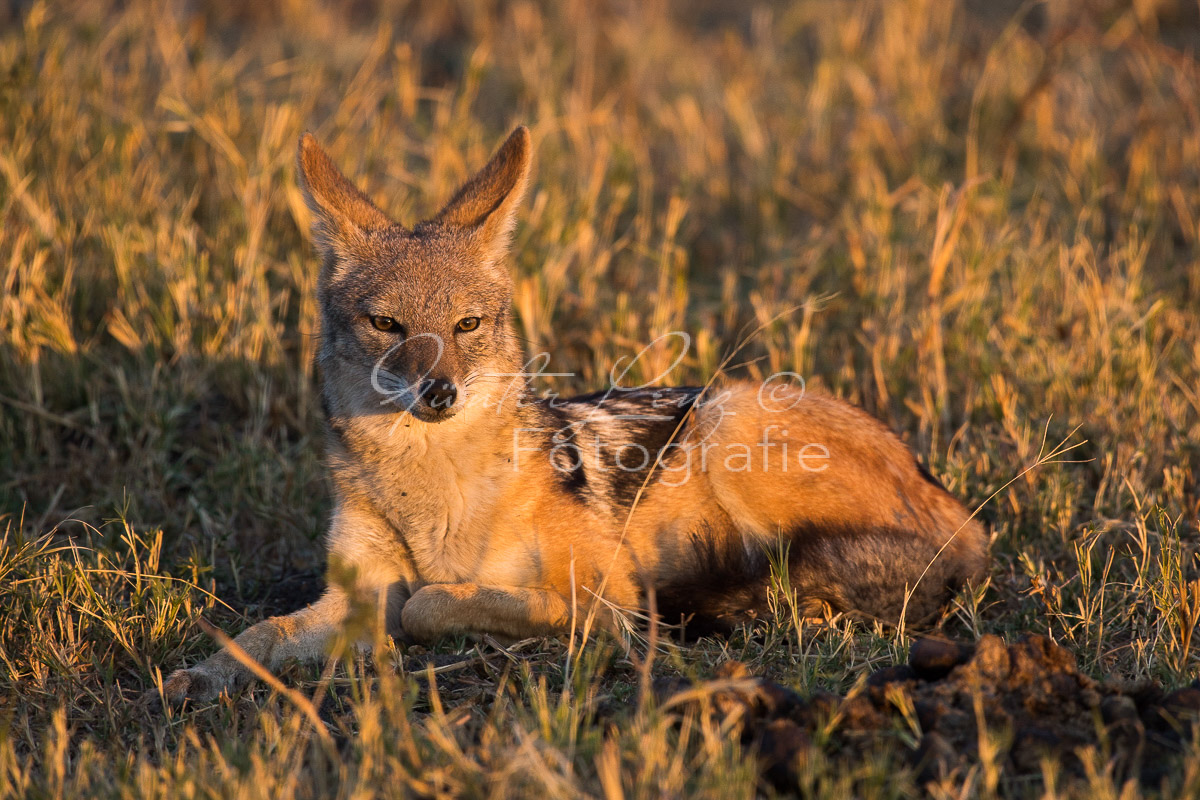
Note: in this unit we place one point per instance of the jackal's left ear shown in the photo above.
(486, 205)
(343, 215)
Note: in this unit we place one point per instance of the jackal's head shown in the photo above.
(417, 318)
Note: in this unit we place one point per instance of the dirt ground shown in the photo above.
(1018, 703)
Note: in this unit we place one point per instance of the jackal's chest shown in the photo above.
(450, 502)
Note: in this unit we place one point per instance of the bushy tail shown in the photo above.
(869, 572)
(872, 572)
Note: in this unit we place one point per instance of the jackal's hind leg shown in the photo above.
(444, 609)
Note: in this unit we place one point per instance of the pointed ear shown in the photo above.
(342, 213)
(486, 204)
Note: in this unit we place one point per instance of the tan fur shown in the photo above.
(501, 514)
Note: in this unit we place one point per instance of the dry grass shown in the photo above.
(989, 226)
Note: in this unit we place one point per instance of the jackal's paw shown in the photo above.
(190, 684)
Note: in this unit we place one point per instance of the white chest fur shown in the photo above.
(440, 486)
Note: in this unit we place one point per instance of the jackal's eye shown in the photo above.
(467, 324)
(387, 325)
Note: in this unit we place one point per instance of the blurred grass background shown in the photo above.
(984, 215)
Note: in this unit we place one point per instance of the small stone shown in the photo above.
(929, 711)
(897, 674)
(858, 713)
(932, 659)
(780, 742)
(1089, 697)
(1118, 707)
(991, 660)
(780, 701)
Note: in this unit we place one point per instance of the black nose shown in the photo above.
(439, 393)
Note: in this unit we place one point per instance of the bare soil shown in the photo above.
(1027, 698)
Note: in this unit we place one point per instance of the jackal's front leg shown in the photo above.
(366, 568)
(305, 635)
(444, 609)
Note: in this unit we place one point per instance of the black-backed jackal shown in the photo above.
(464, 504)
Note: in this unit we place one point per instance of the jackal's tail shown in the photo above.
(881, 573)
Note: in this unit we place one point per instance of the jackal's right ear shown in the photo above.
(343, 215)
